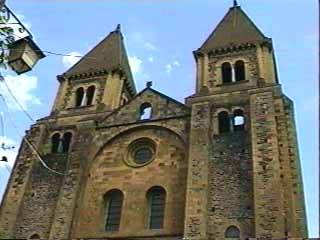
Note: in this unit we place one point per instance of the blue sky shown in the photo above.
(160, 37)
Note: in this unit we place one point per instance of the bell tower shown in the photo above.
(244, 176)
(99, 81)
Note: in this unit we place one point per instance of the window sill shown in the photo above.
(233, 83)
(80, 107)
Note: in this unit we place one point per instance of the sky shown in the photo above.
(160, 36)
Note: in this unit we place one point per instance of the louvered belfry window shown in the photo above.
(157, 200)
(113, 202)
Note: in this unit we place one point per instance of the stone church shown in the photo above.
(113, 163)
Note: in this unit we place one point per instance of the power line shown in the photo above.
(26, 140)
(16, 100)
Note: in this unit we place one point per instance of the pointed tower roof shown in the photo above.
(234, 29)
(109, 55)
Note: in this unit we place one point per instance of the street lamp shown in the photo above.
(24, 52)
(23, 55)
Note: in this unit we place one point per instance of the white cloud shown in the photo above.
(149, 46)
(151, 59)
(176, 64)
(170, 66)
(136, 65)
(71, 59)
(7, 151)
(22, 87)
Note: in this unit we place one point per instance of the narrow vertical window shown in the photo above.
(156, 200)
(224, 122)
(90, 95)
(240, 71)
(238, 120)
(113, 205)
(145, 111)
(226, 72)
(55, 142)
(79, 96)
(232, 232)
(66, 140)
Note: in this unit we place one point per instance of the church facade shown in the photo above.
(111, 163)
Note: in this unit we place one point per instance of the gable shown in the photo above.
(163, 107)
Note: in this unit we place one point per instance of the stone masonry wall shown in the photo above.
(230, 185)
(40, 198)
(109, 170)
(197, 190)
(268, 195)
(18, 182)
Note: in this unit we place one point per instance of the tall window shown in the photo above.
(224, 122)
(66, 141)
(113, 206)
(55, 142)
(145, 111)
(226, 71)
(156, 200)
(238, 120)
(240, 71)
(232, 232)
(90, 95)
(79, 96)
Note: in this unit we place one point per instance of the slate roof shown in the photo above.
(109, 55)
(235, 28)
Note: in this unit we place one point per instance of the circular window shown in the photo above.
(140, 152)
(143, 155)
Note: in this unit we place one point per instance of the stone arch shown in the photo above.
(110, 138)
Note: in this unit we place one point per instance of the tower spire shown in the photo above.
(235, 3)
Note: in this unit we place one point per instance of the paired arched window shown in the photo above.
(226, 70)
(156, 201)
(113, 207)
(232, 232)
(55, 141)
(85, 98)
(224, 122)
(240, 71)
(79, 96)
(233, 73)
(61, 145)
(145, 111)
(238, 120)
(90, 95)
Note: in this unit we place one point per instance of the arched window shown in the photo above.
(79, 96)
(90, 95)
(232, 232)
(224, 122)
(145, 111)
(226, 72)
(240, 71)
(55, 142)
(66, 140)
(156, 201)
(35, 236)
(113, 206)
(238, 120)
